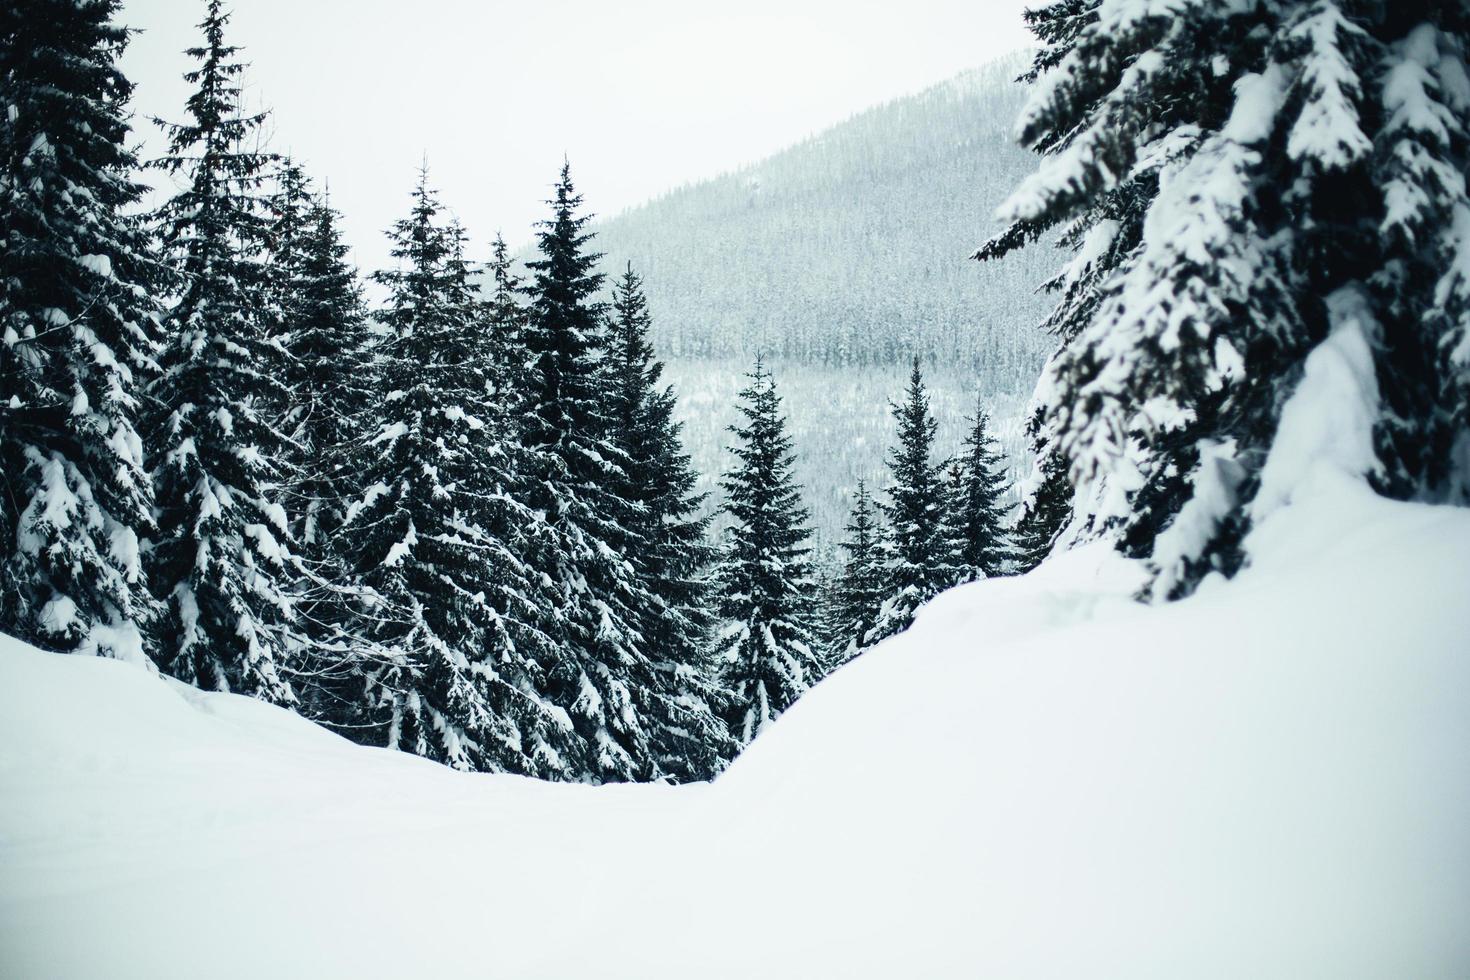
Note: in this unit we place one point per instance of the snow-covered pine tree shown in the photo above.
(954, 491)
(286, 213)
(455, 671)
(327, 346)
(1046, 507)
(826, 571)
(859, 589)
(766, 594)
(673, 557)
(78, 331)
(916, 563)
(979, 534)
(505, 316)
(221, 561)
(602, 674)
(1222, 173)
(326, 342)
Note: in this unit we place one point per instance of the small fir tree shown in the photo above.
(981, 545)
(765, 587)
(916, 564)
(505, 317)
(859, 591)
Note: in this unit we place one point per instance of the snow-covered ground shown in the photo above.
(1041, 779)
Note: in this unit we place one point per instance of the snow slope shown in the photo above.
(1041, 779)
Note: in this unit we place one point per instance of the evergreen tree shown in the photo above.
(1242, 185)
(602, 673)
(981, 545)
(79, 336)
(327, 349)
(456, 669)
(859, 591)
(673, 556)
(221, 562)
(915, 561)
(505, 316)
(328, 372)
(765, 586)
(826, 573)
(287, 213)
(1045, 510)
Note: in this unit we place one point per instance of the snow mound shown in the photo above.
(1040, 779)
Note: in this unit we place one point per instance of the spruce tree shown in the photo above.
(79, 336)
(456, 670)
(505, 315)
(826, 572)
(673, 556)
(287, 211)
(951, 530)
(1046, 507)
(221, 563)
(327, 345)
(766, 594)
(327, 348)
(916, 564)
(1242, 184)
(602, 674)
(981, 545)
(859, 590)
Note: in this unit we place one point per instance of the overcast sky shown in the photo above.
(642, 95)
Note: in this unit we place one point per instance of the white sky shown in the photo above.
(642, 95)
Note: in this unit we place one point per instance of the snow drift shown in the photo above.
(1040, 779)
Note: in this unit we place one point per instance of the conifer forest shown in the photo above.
(1032, 513)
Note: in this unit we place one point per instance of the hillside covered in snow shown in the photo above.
(1042, 778)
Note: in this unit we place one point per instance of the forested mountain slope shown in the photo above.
(850, 247)
(839, 259)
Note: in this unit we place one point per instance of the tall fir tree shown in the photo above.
(980, 538)
(601, 674)
(916, 564)
(222, 562)
(859, 590)
(673, 557)
(1242, 185)
(326, 344)
(766, 593)
(456, 669)
(79, 334)
(327, 347)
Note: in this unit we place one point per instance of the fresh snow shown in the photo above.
(1041, 779)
